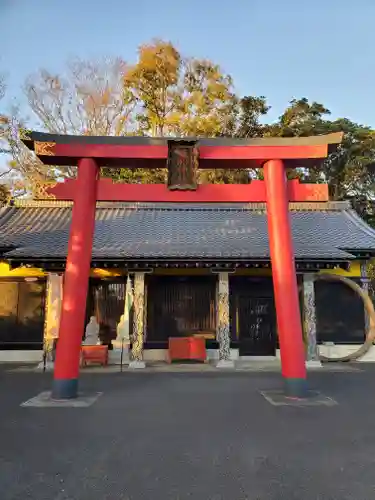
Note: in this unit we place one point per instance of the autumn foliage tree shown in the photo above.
(167, 94)
(178, 96)
(182, 97)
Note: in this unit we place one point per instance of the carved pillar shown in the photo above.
(223, 335)
(138, 321)
(52, 318)
(309, 316)
(365, 282)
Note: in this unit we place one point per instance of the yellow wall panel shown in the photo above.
(20, 272)
(354, 271)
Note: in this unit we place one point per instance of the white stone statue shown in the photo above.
(120, 352)
(123, 331)
(92, 332)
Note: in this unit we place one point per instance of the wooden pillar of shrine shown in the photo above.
(77, 272)
(222, 331)
(138, 322)
(284, 277)
(309, 318)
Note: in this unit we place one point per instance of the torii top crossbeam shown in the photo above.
(146, 152)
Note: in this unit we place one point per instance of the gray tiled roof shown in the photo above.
(128, 230)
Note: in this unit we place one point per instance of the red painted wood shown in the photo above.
(206, 153)
(111, 151)
(77, 273)
(184, 348)
(283, 272)
(306, 192)
(262, 152)
(94, 354)
(206, 193)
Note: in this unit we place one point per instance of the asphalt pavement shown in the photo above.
(177, 436)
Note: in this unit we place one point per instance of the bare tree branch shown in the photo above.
(87, 100)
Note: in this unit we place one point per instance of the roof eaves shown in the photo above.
(360, 223)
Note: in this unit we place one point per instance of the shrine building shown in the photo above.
(233, 264)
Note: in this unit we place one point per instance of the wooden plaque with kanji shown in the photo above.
(182, 165)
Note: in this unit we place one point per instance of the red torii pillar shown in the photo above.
(76, 279)
(289, 326)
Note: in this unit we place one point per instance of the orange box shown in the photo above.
(184, 348)
(94, 354)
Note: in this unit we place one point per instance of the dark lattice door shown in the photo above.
(256, 326)
(253, 316)
(180, 306)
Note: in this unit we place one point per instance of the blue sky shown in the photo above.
(320, 49)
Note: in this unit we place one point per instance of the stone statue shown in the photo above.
(92, 332)
(123, 331)
(121, 344)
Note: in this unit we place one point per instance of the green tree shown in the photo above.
(348, 171)
(301, 119)
(247, 117)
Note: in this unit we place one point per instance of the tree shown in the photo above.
(301, 119)
(206, 100)
(4, 147)
(247, 115)
(87, 100)
(347, 171)
(162, 94)
(167, 94)
(4, 190)
(3, 117)
(183, 97)
(24, 173)
(154, 84)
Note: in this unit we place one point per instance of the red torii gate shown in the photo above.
(274, 155)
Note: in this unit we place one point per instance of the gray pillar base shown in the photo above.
(225, 363)
(64, 388)
(313, 363)
(295, 388)
(137, 365)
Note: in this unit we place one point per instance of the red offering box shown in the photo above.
(187, 348)
(94, 354)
